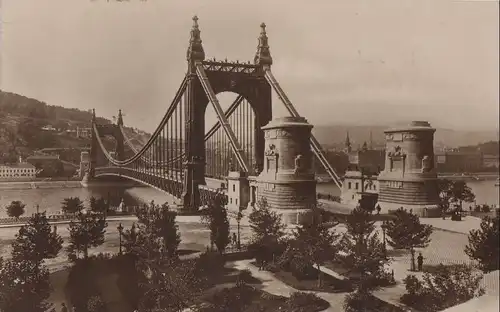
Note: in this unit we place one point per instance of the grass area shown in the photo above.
(246, 298)
(329, 283)
(58, 282)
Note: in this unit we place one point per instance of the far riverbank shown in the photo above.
(27, 185)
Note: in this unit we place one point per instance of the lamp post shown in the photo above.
(384, 227)
(238, 220)
(120, 230)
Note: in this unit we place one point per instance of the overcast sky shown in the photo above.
(340, 61)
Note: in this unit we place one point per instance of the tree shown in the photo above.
(156, 230)
(454, 192)
(36, 240)
(265, 224)
(88, 231)
(313, 243)
(405, 231)
(484, 244)
(444, 288)
(130, 239)
(167, 230)
(98, 205)
(171, 286)
(15, 209)
(267, 228)
(364, 251)
(217, 221)
(72, 205)
(24, 286)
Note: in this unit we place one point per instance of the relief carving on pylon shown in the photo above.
(410, 136)
(389, 137)
(397, 152)
(283, 133)
(271, 150)
(397, 159)
(426, 164)
(271, 158)
(298, 163)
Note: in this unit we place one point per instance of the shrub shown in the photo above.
(209, 264)
(305, 302)
(272, 267)
(244, 277)
(446, 287)
(95, 304)
(358, 301)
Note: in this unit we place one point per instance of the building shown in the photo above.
(491, 161)
(19, 171)
(365, 159)
(455, 161)
(83, 132)
(357, 187)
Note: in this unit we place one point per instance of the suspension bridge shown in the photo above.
(180, 157)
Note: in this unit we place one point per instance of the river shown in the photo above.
(50, 199)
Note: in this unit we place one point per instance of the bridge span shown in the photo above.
(253, 154)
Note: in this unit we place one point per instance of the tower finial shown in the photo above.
(348, 146)
(93, 115)
(195, 50)
(120, 118)
(263, 54)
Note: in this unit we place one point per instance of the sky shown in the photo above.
(339, 61)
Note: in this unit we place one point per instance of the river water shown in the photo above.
(50, 199)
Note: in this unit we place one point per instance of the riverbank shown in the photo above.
(28, 185)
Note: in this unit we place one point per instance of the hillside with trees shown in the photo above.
(22, 120)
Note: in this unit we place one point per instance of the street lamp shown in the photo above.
(120, 230)
(384, 227)
(238, 220)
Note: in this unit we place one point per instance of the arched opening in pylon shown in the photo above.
(219, 155)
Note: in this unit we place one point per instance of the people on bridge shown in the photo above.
(63, 307)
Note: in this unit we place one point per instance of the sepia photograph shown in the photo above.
(249, 156)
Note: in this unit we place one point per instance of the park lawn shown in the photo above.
(246, 298)
(58, 281)
(329, 283)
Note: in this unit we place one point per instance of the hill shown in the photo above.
(22, 120)
(334, 136)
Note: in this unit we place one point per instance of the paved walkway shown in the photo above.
(462, 227)
(446, 247)
(274, 286)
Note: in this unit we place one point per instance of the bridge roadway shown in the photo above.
(211, 183)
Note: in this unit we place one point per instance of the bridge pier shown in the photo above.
(409, 179)
(288, 181)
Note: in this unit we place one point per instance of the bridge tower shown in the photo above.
(288, 180)
(97, 157)
(409, 179)
(241, 78)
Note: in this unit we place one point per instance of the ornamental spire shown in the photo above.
(195, 50)
(263, 55)
(119, 122)
(348, 146)
(93, 115)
